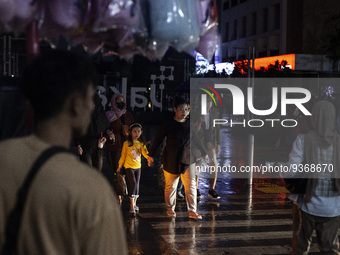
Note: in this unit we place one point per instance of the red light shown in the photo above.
(266, 61)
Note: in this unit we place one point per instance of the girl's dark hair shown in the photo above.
(140, 139)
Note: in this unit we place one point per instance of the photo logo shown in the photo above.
(239, 100)
(204, 98)
(268, 102)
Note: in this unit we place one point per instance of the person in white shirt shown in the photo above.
(320, 205)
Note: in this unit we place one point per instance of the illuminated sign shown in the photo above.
(203, 66)
(266, 61)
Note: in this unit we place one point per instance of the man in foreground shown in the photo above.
(70, 209)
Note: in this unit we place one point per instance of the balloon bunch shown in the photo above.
(130, 27)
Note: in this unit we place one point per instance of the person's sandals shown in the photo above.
(195, 216)
(171, 213)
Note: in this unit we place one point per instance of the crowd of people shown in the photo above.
(62, 206)
(125, 145)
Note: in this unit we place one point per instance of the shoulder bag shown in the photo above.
(14, 218)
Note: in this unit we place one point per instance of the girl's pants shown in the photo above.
(189, 182)
(133, 176)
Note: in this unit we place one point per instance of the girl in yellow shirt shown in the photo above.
(130, 158)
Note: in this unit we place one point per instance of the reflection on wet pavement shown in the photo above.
(229, 226)
(248, 219)
(243, 221)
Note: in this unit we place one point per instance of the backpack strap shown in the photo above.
(14, 218)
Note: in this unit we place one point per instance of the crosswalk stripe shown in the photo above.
(160, 212)
(250, 250)
(234, 236)
(232, 225)
(228, 223)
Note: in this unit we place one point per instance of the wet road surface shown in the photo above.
(244, 221)
(248, 219)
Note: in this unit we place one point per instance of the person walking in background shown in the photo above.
(90, 147)
(130, 159)
(180, 187)
(177, 131)
(70, 209)
(319, 206)
(120, 120)
(285, 141)
(211, 137)
(198, 150)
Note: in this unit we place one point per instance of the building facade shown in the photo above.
(276, 27)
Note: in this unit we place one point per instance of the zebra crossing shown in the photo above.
(250, 222)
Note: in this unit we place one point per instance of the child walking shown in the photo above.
(130, 158)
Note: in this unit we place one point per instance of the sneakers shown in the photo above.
(195, 216)
(213, 194)
(180, 196)
(198, 194)
(171, 213)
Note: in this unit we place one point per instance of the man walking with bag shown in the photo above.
(67, 208)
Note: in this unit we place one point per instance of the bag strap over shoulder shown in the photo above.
(14, 219)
